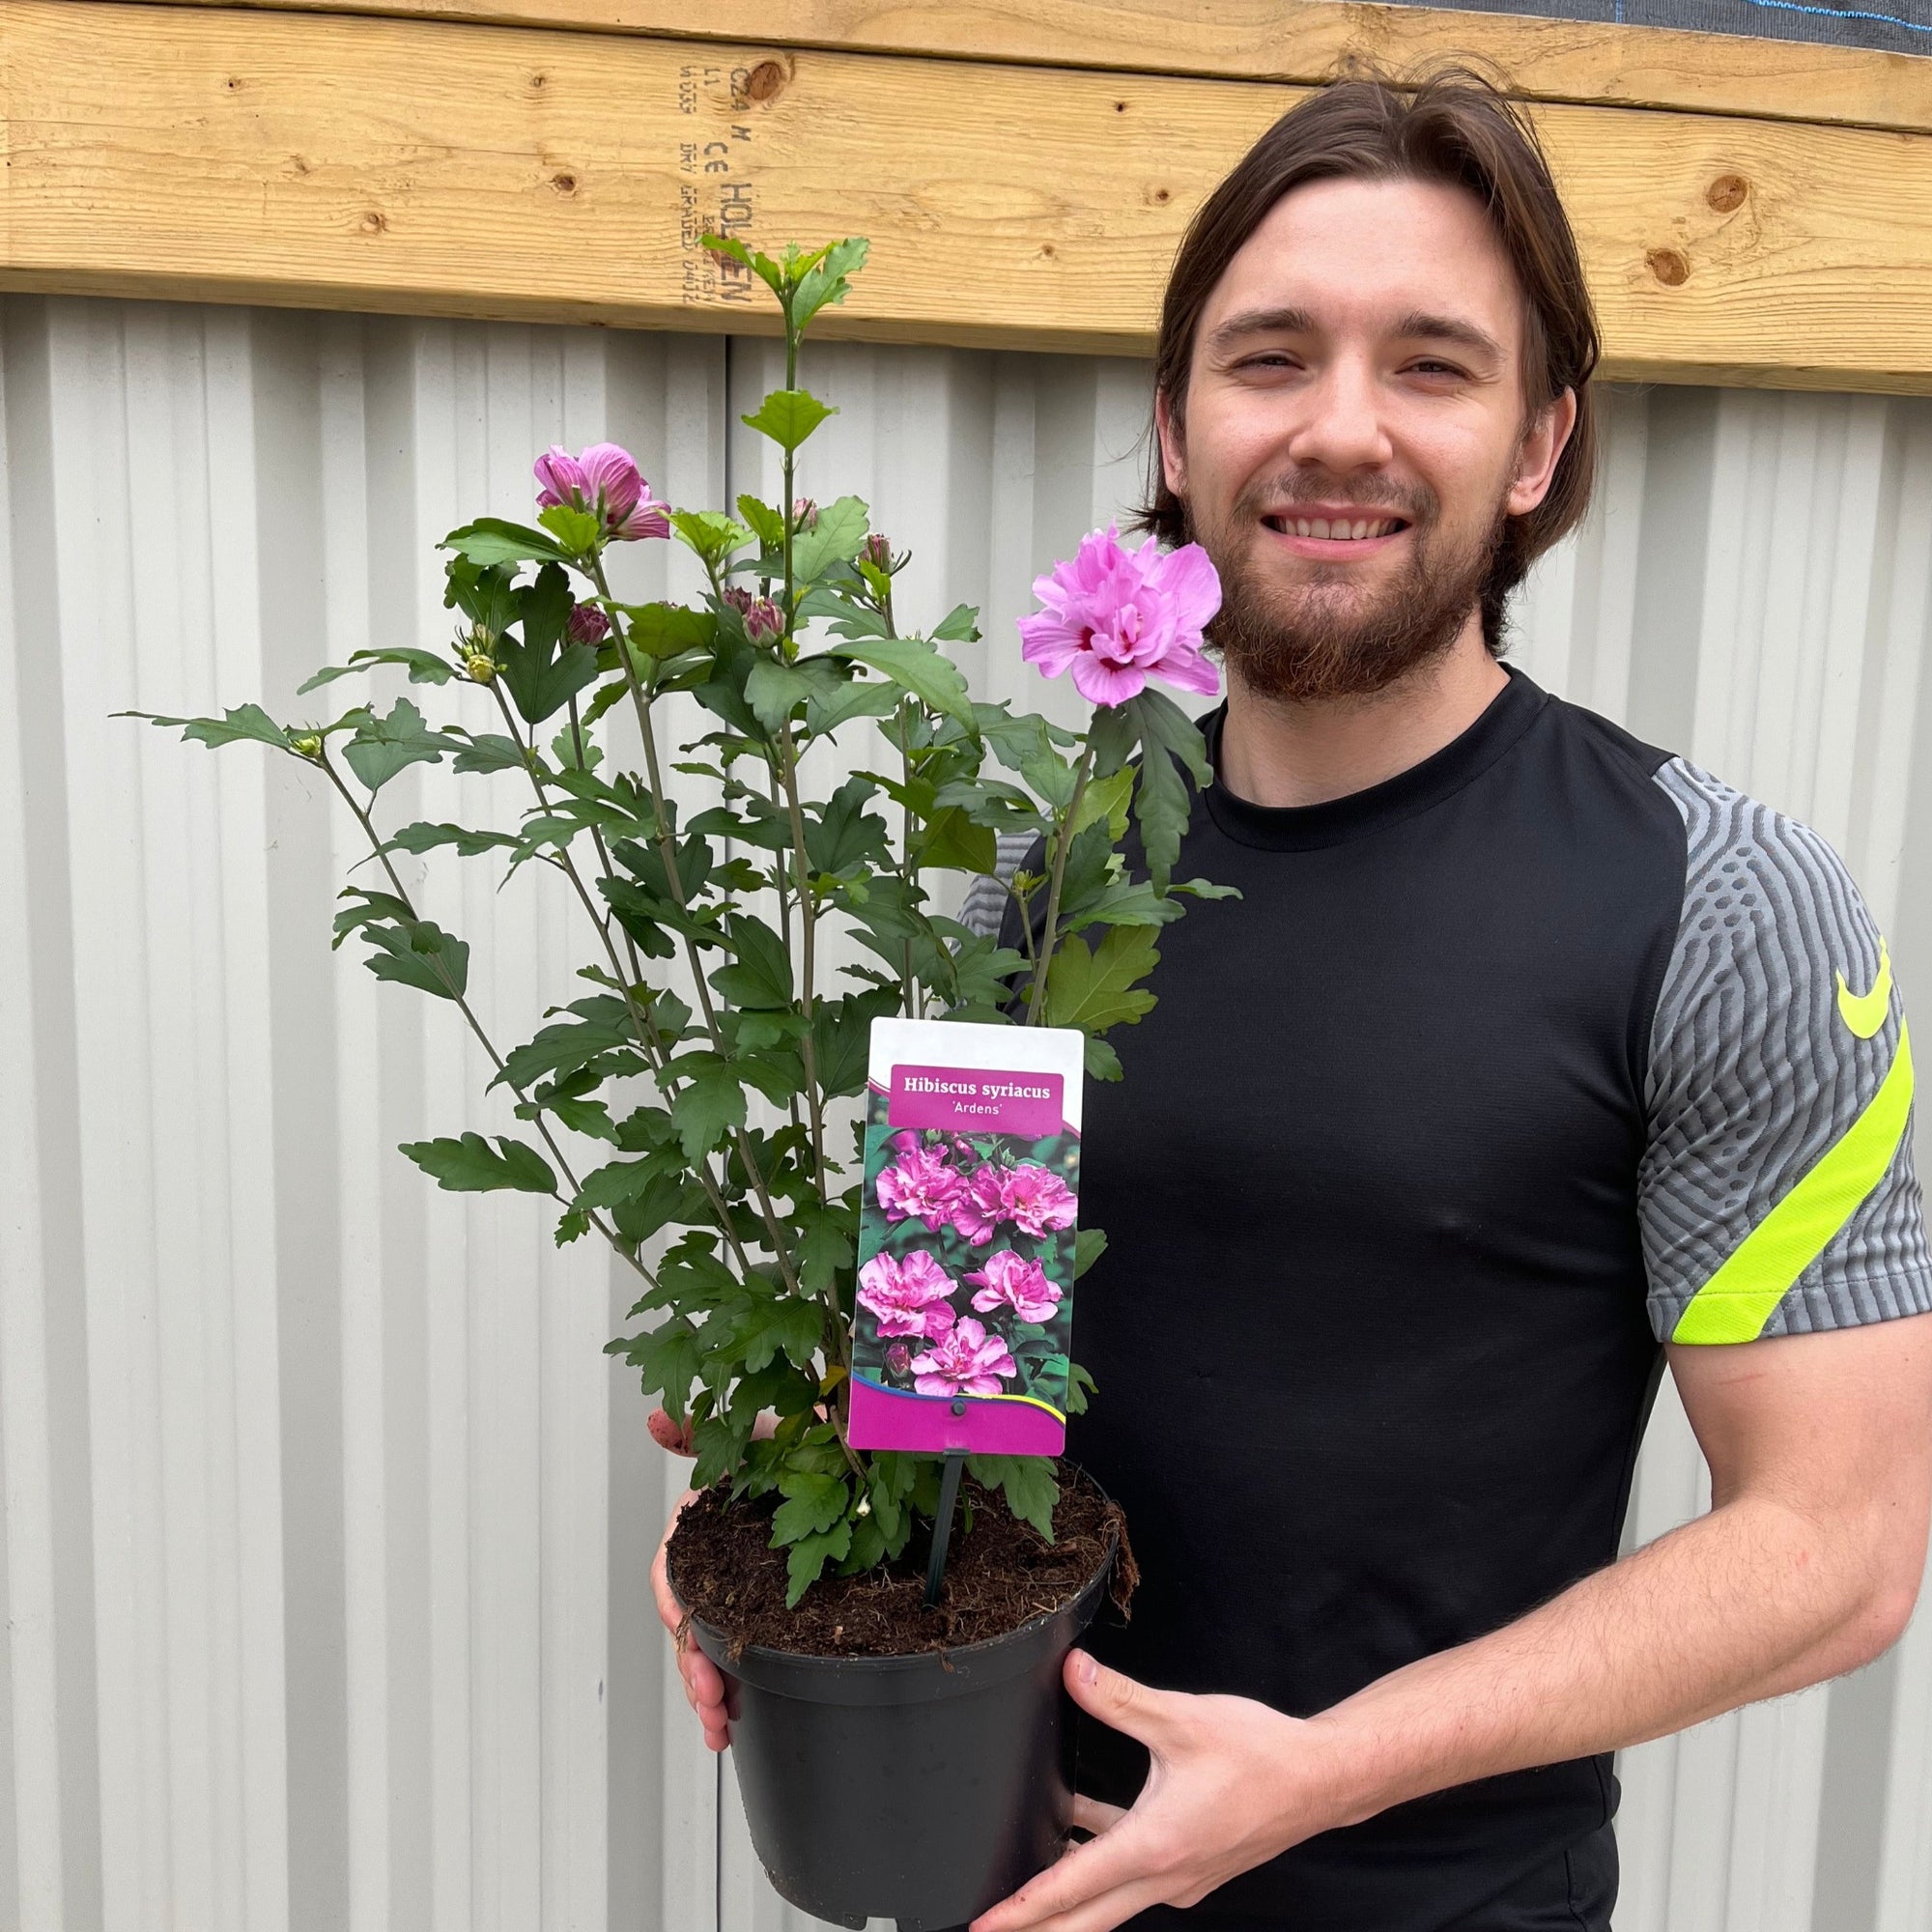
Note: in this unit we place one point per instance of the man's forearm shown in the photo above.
(1748, 1601)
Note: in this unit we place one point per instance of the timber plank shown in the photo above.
(1296, 40)
(406, 165)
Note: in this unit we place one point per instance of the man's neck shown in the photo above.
(1276, 752)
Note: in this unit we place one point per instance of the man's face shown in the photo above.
(1354, 436)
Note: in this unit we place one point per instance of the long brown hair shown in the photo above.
(1453, 126)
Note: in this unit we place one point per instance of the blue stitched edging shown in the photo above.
(1829, 14)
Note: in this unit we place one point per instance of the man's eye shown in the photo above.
(1431, 367)
(1268, 359)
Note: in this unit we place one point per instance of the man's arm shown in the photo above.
(1806, 1566)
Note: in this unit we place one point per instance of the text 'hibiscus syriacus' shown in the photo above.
(969, 1361)
(908, 1296)
(1006, 1281)
(1115, 617)
(605, 481)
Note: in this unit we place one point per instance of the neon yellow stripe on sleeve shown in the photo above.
(1738, 1301)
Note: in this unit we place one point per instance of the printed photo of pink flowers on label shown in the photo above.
(963, 1312)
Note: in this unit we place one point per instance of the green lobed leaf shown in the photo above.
(710, 534)
(808, 1557)
(244, 722)
(959, 626)
(835, 538)
(844, 834)
(710, 1105)
(1027, 1481)
(471, 1166)
(916, 667)
(826, 710)
(1088, 1245)
(423, 837)
(667, 1357)
(766, 525)
(486, 751)
(667, 630)
(759, 975)
(1094, 990)
(950, 839)
(575, 531)
(423, 667)
(490, 540)
(774, 690)
(383, 746)
(825, 281)
(812, 1504)
(788, 416)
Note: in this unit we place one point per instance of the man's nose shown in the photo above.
(1343, 427)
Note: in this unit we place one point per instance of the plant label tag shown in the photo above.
(966, 1238)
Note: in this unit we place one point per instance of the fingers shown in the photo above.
(703, 1682)
(1089, 1814)
(670, 1435)
(1095, 1886)
(1117, 1701)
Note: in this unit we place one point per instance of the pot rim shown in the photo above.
(915, 1660)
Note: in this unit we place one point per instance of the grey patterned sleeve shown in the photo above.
(987, 898)
(1776, 1193)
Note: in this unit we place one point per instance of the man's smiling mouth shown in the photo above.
(1334, 529)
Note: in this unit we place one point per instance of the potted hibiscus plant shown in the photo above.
(697, 1101)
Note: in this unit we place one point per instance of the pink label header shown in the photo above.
(975, 1099)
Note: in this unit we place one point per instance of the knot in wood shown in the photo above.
(1727, 192)
(374, 223)
(1669, 267)
(766, 81)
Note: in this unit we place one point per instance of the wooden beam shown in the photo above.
(1301, 42)
(405, 165)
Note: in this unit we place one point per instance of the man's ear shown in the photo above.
(1539, 451)
(1173, 452)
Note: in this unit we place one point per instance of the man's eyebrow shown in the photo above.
(1420, 326)
(1260, 322)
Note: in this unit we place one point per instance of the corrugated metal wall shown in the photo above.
(326, 1521)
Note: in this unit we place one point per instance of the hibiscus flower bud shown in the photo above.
(899, 1358)
(764, 623)
(588, 624)
(804, 513)
(309, 745)
(878, 553)
(480, 665)
(739, 598)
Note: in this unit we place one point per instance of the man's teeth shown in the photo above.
(1323, 527)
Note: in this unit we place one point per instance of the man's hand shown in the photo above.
(703, 1682)
(1233, 1784)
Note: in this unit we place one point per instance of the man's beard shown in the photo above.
(1326, 646)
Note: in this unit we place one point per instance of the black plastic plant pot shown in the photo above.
(922, 1788)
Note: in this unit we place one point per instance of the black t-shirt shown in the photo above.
(1496, 1075)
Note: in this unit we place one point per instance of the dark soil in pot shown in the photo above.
(1000, 1574)
(894, 1762)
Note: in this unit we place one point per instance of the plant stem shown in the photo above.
(643, 1026)
(1035, 1004)
(464, 1007)
(667, 854)
(808, 931)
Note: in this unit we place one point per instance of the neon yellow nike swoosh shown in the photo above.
(1865, 1013)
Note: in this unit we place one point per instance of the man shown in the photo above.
(1530, 1058)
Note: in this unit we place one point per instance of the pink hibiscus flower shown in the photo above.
(981, 1208)
(1116, 617)
(909, 1298)
(1037, 1201)
(604, 480)
(967, 1362)
(922, 1184)
(1006, 1281)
